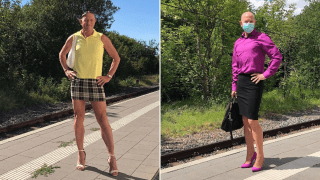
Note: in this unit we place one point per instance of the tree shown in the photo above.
(196, 40)
(308, 54)
(35, 33)
(273, 19)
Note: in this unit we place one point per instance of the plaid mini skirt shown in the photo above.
(87, 89)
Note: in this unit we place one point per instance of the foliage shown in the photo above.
(31, 90)
(44, 170)
(128, 82)
(308, 53)
(277, 21)
(197, 43)
(35, 33)
(145, 80)
(32, 36)
(273, 102)
(185, 52)
(190, 116)
(137, 58)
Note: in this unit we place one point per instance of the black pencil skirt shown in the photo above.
(249, 96)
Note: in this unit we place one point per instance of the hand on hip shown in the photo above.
(256, 77)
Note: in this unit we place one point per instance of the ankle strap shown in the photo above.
(81, 150)
(112, 155)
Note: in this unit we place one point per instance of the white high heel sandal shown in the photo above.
(113, 171)
(80, 165)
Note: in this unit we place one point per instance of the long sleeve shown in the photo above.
(235, 69)
(273, 53)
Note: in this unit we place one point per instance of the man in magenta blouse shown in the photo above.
(247, 85)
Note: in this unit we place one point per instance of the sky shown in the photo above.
(299, 4)
(138, 19)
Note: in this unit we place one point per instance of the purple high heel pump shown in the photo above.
(255, 169)
(244, 165)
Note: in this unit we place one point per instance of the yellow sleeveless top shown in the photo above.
(88, 55)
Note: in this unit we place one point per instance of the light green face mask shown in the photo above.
(248, 27)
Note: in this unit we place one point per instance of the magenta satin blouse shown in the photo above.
(249, 56)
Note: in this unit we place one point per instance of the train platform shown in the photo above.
(135, 124)
(292, 157)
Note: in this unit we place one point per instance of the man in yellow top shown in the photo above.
(87, 83)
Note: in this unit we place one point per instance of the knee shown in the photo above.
(245, 121)
(253, 123)
(78, 118)
(101, 118)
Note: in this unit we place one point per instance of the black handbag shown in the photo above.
(232, 119)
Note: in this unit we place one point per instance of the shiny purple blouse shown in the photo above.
(249, 56)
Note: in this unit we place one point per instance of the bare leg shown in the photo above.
(100, 110)
(258, 137)
(249, 139)
(79, 113)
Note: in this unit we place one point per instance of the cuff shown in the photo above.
(266, 74)
(234, 87)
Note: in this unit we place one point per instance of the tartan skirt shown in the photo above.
(87, 89)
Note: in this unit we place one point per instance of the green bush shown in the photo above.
(112, 86)
(128, 82)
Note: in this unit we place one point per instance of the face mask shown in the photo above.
(248, 27)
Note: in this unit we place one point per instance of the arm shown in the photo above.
(63, 60)
(273, 53)
(112, 53)
(115, 63)
(234, 70)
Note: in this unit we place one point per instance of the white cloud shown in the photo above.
(299, 4)
(297, 11)
(292, 1)
(256, 3)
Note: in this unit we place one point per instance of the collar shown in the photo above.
(95, 33)
(253, 33)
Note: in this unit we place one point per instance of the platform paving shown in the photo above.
(135, 125)
(293, 157)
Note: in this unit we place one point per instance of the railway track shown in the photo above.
(70, 111)
(175, 156)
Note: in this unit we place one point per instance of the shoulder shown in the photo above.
(104, 38)
(263, 36)
(78, 33)
(70, 39)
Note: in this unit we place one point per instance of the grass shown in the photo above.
(65, 144)
(191, 116)
(44, 170)
(15, 99)
(274, 102)
(146, 80)
(95, 129)
(32, 91)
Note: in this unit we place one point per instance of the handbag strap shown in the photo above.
(230, 118)
(74, 42)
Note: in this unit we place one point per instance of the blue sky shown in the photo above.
(135, 19)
